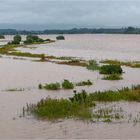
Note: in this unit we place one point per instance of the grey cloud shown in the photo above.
(80, 13)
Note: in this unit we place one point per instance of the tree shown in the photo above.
(17, 39)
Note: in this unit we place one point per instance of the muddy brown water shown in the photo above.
(27, 74)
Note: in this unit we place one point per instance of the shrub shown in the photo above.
(111, 69)
(30, 39)
(84, 83)
(60, 37)
(67, 84)
(52, 86)
(93, 65)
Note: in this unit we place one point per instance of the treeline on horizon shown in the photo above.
(128, 30)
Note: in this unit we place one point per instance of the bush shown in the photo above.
(52, 86)
(30, 39)
(111, 69)
(60, 37)
(93, 65)
(67, 84)
(84, 83)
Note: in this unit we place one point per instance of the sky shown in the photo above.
(65, 14)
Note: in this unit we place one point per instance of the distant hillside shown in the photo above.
(129, 30)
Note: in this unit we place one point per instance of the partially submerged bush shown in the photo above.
(111, 69)
(51, 86)
(61, 37)
(112, 77)
(93, 65)
(67, 84)
(84, 83)
(31, 39)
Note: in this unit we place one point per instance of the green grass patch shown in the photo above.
(112, 77)
(84, 83)
(51, 86)
(53, 109)
(133, 64)
(74, 63)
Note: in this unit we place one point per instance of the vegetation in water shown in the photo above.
(84, 83)
(111, 69)
(112, 77)
(74, 63)
(31, 39)
(79, 106)
(67, 84)
(61, 37)
(93, 65)
(133, 64)
(51, 86)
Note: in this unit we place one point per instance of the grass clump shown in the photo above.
(111, 69)
(133, 64)
(93, 65)
(112, 77)
(124, 94)
(67, 84)
(74, 63)
(51, 86)
(53, 109)
(84, 83)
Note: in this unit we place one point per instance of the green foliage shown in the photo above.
(52, 86)
(54, 109)
(32, 39)
(133, 64)
(67, 84)
(111, 69)
(60, 37)
(93, 65)
(126, 94)
(84, 83)
(112, 77)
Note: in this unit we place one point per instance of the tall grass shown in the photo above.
(79, 106)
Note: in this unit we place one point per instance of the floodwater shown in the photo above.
(28, 74)
(96, 46)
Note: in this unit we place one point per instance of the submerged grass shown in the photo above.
(112, 77)
(74, 63)
(79, 106)
(133, 64)
(53, 109)
(84, 83)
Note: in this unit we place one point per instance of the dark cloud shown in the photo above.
(70, 13)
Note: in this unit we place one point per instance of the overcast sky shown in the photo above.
(40, 14)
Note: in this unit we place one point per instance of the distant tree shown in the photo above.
(60, 37)
(17, 39)
(130, 30)
(30, 39)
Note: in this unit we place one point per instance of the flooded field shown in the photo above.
(27, 74)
